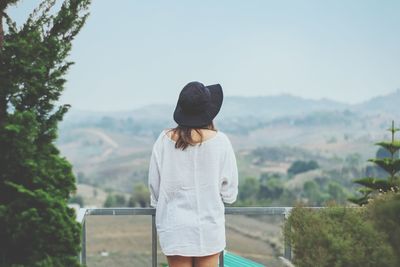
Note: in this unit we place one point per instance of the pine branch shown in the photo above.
(392, 166)
(375, 183)
(392, 147)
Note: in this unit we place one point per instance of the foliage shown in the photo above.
(390, 164)
(271, 186)
(249, 189)
(384, 212)
(277, 154)
(140, 196)
(35, 180)
(314, 194)
(270, 189)
(336, 236)
(115, 200)
(387, 148)
(76, 199)
(300, 166)
(337, 192)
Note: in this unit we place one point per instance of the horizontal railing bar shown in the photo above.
(121, 211)
(228, 210)
(257, 210)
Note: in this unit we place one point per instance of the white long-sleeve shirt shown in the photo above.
(188, 189)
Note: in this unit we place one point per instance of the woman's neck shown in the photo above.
(207, 134)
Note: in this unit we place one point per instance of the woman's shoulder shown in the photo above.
(224, 137)
(223, 134)
(161, 136)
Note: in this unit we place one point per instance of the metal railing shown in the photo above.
(83, 213)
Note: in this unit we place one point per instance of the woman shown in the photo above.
(192, 172)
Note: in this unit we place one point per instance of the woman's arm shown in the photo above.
(154, 178)
(229, 182)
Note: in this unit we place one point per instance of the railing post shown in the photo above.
(288, 247)
(221, 259)
(153, 240)
(83, 252)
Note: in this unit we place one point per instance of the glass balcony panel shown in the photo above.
(118, 241)
(258, 238)
(125, 238)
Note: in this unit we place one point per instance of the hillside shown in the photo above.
(382, 104)
(111, 150)
(262, 108)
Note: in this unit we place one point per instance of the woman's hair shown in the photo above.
(185, 135)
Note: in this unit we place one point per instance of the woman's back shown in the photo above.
(188, 188)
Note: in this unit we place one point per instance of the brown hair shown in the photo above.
(185, 135)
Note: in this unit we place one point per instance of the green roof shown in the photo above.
(233, 260)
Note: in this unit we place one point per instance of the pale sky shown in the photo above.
(131, 53)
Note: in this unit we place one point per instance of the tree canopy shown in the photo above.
(387, 161)
(38, 228)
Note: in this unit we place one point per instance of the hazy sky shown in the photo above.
(131, 53)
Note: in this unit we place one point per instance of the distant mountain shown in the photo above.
(149, 114)
(256, 107)
(269, 107)
(239, 114)
(389, 103)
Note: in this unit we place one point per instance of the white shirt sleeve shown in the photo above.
(154, 178)
(229, 181)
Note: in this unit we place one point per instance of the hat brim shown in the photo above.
(204, 118)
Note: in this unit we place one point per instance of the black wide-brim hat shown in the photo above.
(198, 105)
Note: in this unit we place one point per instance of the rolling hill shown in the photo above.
(111, 149)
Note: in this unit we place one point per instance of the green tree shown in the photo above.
(390, 164)
(384, 212)
(248, 190)
(76, 199)
(314, 194)
(300, 166)
(337, 192)
(140, 196)
(337, 236)
(38, 228)
(271, 186)
(384, 153)
(115, 200)
(375, 170)
(110, 201)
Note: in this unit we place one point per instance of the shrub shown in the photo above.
(384, 212)
(300, 166)
(115, 200)
(77, 199)
(140, 196)
(336, 236)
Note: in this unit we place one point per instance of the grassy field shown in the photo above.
(126, 240)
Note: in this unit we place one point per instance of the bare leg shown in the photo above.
(207, 261)
(180, 261)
